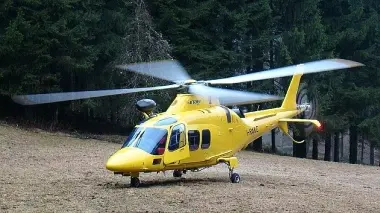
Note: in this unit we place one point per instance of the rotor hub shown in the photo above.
(189, 82)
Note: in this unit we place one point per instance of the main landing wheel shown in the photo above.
(135, 182)
(235, 178)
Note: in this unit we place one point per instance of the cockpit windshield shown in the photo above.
(148, 139)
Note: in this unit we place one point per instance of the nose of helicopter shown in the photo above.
(127, 159)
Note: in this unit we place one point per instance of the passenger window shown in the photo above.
(177, 138)
(206, 138)
(194, 139)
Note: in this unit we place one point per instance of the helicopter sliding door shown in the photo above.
(178, 148)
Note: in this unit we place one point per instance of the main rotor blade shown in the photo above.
(68, 96)
(170, 70)
(311, 67)
(229, 97)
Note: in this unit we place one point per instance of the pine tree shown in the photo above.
(352, 28)
(68, 45)
(298, 36)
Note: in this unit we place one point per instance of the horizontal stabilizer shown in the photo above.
(283, 125)
(315, 122)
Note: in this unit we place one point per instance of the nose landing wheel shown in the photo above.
(135, 181)
(177, 173)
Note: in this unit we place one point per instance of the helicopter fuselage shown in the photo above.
(196, 131)
(193, 133)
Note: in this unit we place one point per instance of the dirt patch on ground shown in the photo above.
(44, 172)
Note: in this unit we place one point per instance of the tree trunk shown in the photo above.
(315, 148)
(336, 147)
(372, 153)
(362, 153)
(328, 147)
(56, 115)
(271, 66)
(55, 119)
(353, 145)
(273, 132)
(258, 144)
(341, 145)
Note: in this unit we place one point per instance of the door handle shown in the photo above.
(230, 129)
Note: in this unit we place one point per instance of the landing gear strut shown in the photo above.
(135, 181)
(232, 163)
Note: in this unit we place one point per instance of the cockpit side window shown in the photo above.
(133, 136)
(160, 150)
(177, 137)
(150, 140)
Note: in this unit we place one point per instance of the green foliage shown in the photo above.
(349, 98)
(72, 45)
(50, 44)
(213, 38)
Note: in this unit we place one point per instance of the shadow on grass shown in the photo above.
(171, 182)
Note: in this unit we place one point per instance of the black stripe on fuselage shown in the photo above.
(263, 117)
(228, 113)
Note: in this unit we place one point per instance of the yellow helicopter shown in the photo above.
(198, 130)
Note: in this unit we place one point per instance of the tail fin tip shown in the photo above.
(290, 100)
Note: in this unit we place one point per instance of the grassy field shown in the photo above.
(45, 172)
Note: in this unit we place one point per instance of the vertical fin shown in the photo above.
(291, 96)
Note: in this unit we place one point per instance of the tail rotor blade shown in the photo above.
(170, 70)
(69, 96)
(311, 67)
(229, 97)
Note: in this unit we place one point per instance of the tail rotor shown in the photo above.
(308, 104)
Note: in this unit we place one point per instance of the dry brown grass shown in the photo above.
(44, 172)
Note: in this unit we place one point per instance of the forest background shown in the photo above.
(74, 45)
